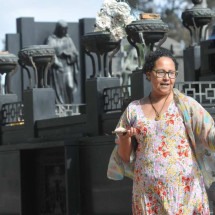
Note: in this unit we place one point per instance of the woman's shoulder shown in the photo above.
(134, 103)
(187, 100)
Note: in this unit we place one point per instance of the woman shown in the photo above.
(172, 131)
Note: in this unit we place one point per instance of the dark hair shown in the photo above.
(153, 56)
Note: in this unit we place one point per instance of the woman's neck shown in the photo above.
(159, 97)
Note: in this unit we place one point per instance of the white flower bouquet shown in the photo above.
(113, 17)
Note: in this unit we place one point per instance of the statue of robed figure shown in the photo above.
(64, 70)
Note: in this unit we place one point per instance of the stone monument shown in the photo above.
(65, 68)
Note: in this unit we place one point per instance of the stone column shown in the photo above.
(95, 102)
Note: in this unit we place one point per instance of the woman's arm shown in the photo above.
(125, 144)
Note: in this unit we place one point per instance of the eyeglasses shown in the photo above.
(160, 73)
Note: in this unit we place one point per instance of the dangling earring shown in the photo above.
(148, 78)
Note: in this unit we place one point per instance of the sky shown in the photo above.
(44, 10)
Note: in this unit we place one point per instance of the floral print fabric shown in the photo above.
(167, 179)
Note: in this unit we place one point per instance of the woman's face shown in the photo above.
(162, 85)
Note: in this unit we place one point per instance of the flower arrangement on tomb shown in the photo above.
(113, 17)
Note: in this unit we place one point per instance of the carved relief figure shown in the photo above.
(130, 65)
(64, 70)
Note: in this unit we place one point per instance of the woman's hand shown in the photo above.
(125, 135)
(124, 141)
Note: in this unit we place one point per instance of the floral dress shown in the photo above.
(167, 179)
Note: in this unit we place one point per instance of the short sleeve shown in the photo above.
(117, 169)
